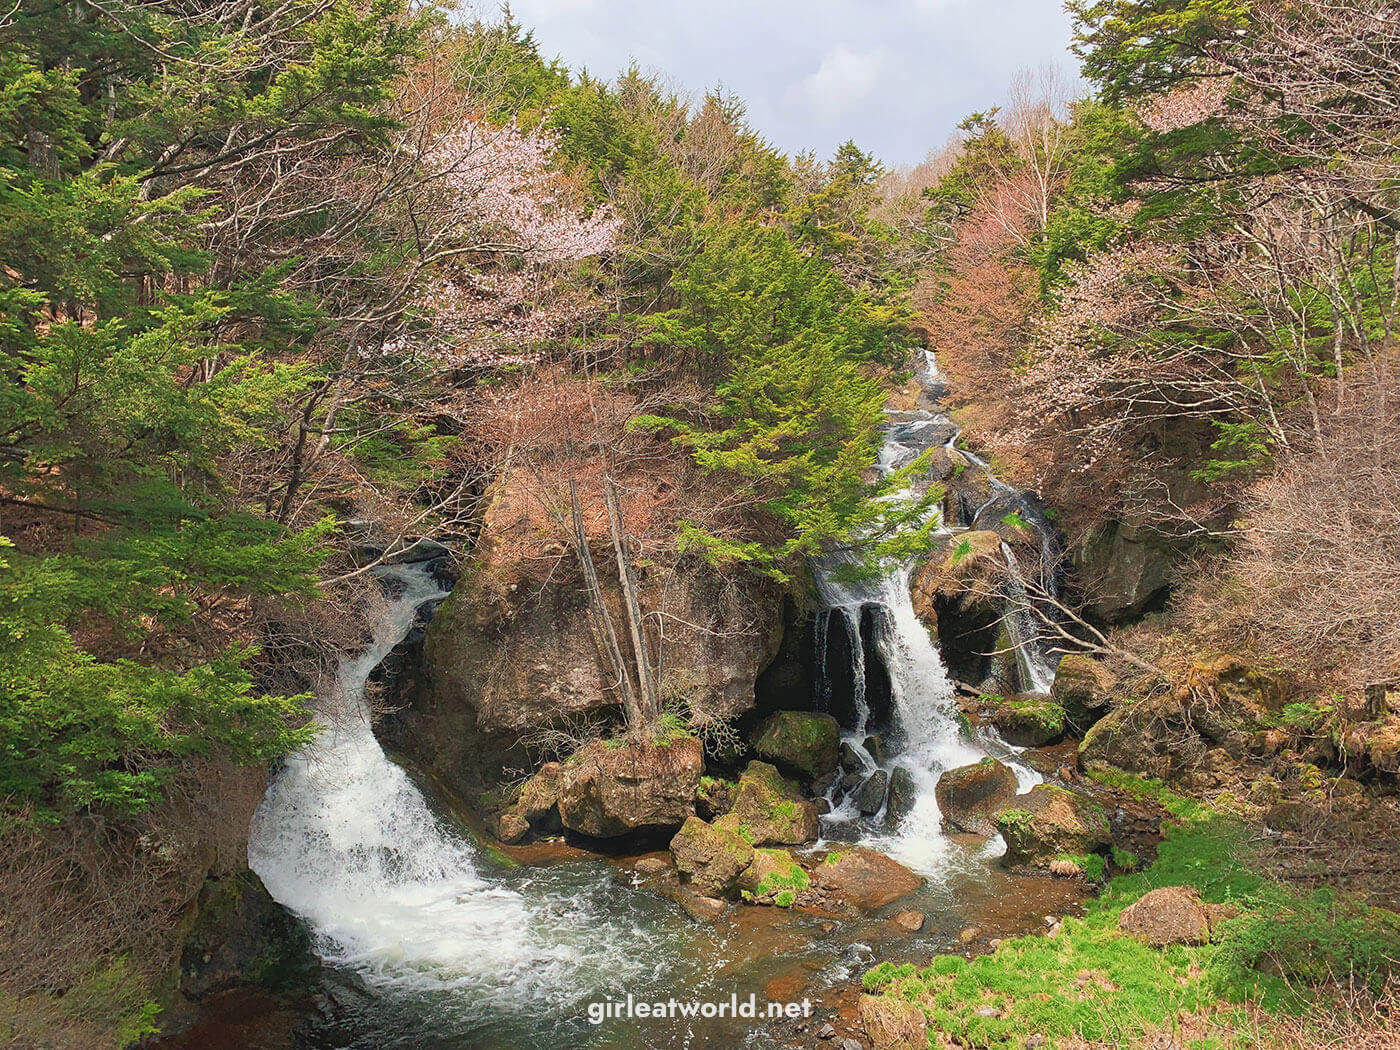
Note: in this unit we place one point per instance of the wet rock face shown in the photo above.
(970, 797)
(608, 790)
(1048, 821)
(865, 878)
(903, 794)
(800, 743)
(241, 934)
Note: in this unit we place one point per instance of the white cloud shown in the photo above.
(895, 75)
(843, 79)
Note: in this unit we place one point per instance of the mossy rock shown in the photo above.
(1029, 721)
(768, 810)
(1048, 822)
(711, 857)
(799, 742)
(773, 876)
(1084, 687)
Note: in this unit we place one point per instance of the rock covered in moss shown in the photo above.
(1028, 721)
(865, 878)
(610, 788)
(1084, 687)
(970, 574)
(1048, 822)
(539, 798)
(768, 810)
(508, 826)
(714, 797)
(774, 877)
(970, 797)
(800, 743)
(710, 857)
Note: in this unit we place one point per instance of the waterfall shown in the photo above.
(346, 840)
(925, 737)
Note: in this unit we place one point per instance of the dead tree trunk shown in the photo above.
(601, 620)
(646, 673)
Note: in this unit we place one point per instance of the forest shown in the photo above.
(715, 515)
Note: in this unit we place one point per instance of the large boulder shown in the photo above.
(800, 743)
(1028, 721)
(1154, 736)
(968, 575)
(768, 810)
(1084, 687)
(710, 858)
(959, 594)
(610, 788)
(1172, 915)
(1238, 688)
(865, 878)
(1047, 822)
(970, 797)
(1125, 568)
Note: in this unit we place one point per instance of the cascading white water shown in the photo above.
(346, 840)
(927, 737)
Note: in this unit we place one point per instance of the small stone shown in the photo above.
(1034, 1042)
(851, 1044)
(969, 934)
(652, 865)
(912, 921)
(826, 1032)
(994, 943)
(987, 1011)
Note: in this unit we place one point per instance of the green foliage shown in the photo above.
(1308, 938)
(798, 416)
(1133, 48)
(1123, 988)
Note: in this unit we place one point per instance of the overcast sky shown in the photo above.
(895, 75)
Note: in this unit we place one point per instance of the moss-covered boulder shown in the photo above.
(1028, 721)
(1084, 687)
(710, 857)
(865, 878)
(538, 803)
(970, 797)
(1239, 688)
(1156, 736)
(1049, 822)
(774, 877)
(610, 787)
(1172, 915)
(800, 743)
(768, 810)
